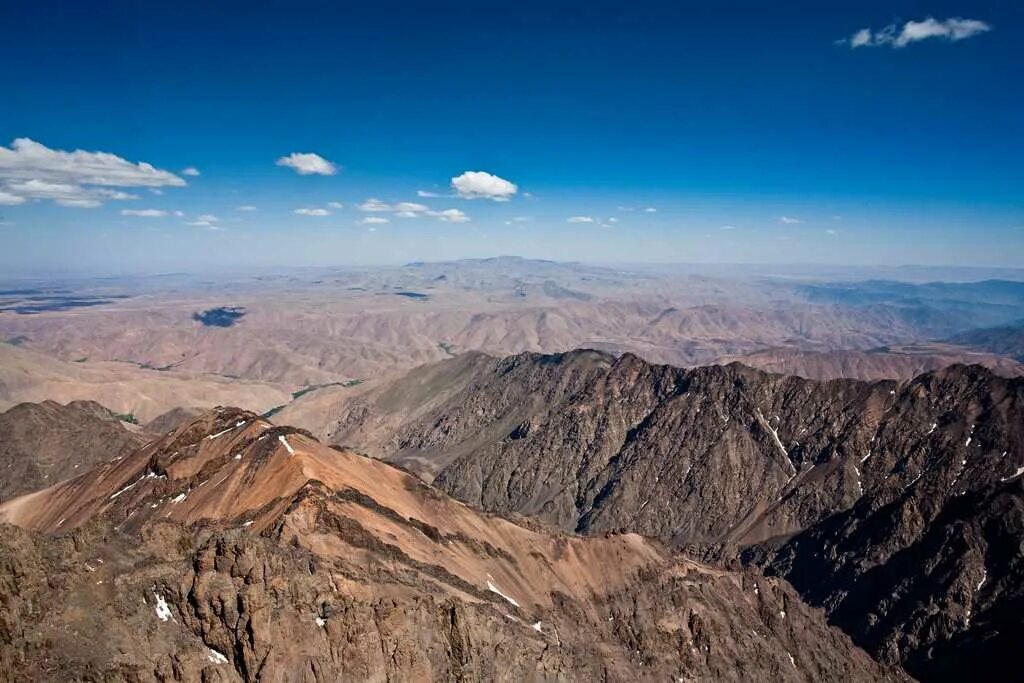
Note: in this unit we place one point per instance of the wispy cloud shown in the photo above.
(728, 227)
(580, 219)
(650, 209)
(951, 30)
(483, 185)
(452, 216)
(308, 163)
(31, 171)
(144, 213)
(336, 205)
(374, 220)
(789, 220)
(312, 212)
(190, 171)
(245, 207)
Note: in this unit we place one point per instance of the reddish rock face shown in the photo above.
(232, 549)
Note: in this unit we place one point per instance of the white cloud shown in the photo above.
(951, 30)
(9, 199)
(312, 212)
(190, 171)
(580, 219)
(208, 218)
(144, 213)
(373, 204)
(453, 216)
(650, 209)
(245, 207)
(788, 220)
(307, 163)
(728, 227)
(613, 220)
(830, 231)
(427, 194)
(336, 205)
(373, 220)
(33, 171)
(483, 185)
(409, 209)
(626, 208)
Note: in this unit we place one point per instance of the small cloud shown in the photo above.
(308, 163)
(728, 227)
(483, 185)
(336, 205)
(8, 199)
(426, 194)
(144, 213)
(409, 209)
(191, 171)
(312, 212)
(208, 218)
(950, 30)
(80, 203)
(650, 209)
(452, 216)
(245, 207)
(373, 204)
(613, 220)
(156, 191)
(626, 208)
(179, 214)
(788, 220)
(580, 219)
(830, 231)
(837, 218)
(373, 220)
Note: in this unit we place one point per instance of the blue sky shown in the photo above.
(754, 133)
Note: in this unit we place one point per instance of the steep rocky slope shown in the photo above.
(848, 488)
(232, 549)
(43, 443)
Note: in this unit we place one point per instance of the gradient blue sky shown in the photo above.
(718, 115)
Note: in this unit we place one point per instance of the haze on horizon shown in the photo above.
(137, 137)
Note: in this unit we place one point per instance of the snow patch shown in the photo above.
(180, 497)
(320, 621)
(1020, 471)
(216, 657)
(288, 446)
(536, 627)
(162, 610)
(494, 589)
(220, 433)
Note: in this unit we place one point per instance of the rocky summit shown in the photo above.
(233, 549)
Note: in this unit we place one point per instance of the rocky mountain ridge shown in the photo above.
(234, 549)
(831, 484)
